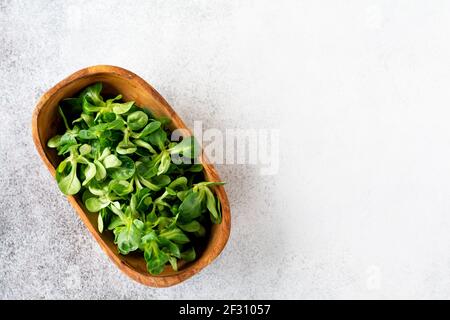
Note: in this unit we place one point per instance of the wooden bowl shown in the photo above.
(46, 123)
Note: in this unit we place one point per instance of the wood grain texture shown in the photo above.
(46, 122)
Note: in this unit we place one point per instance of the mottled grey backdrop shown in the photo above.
(358, 89)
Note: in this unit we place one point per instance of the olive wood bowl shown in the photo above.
(46, 123)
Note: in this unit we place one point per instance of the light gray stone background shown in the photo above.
(360, 91)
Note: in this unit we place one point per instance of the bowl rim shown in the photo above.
(146, 279)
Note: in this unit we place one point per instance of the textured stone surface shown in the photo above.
(359, 89)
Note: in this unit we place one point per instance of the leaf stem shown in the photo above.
(64, 118)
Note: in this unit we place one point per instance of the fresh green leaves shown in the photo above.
(149, 128)
(121, 187)
(54, 142)
(192, 206)
(188, 255)
(124, 171)
(112, 161)
(128, 236)
(137, 120)
(96, 204)
(214, 211)
(188, 147)
(155, 258)
(120, 159)
(121, 108)
(66, 175)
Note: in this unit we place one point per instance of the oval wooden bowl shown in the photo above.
(47, 122)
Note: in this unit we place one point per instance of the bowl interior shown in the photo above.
(49, 123)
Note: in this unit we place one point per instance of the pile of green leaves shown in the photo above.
(118, 157)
